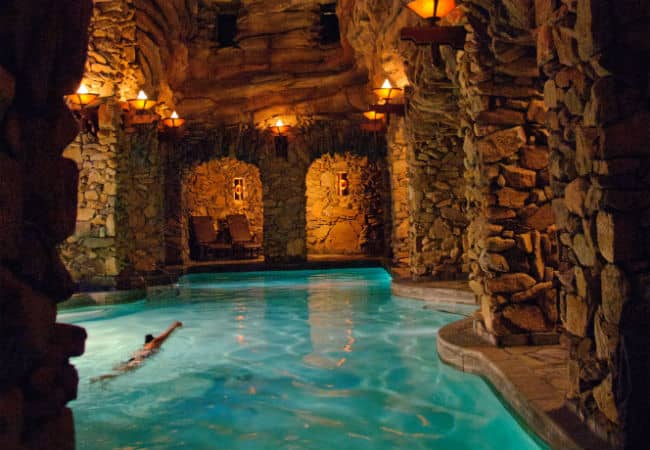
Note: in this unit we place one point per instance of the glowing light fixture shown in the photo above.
(435, 35)
(387, 92)
(373, 115)
(141, 103)
(431, 9)
(173, 121)
(82, 98)
(280, 129)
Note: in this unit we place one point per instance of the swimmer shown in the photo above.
(150, 347)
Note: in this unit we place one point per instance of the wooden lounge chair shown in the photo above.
(204, 239)
(244, 242)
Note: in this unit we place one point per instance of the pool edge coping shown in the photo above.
(547, 415)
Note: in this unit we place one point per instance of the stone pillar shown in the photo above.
(512, 233)
(37, 212)
(436, 186)
(398, 171)
(595, 54)
(141, 182)
(284, 198)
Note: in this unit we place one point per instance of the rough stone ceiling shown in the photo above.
(278, 67)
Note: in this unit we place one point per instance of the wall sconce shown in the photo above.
(84, 107)
(435, 35)
(375, 121)
(238, 189)
(139, 110)
(280, 140)
(385, 94)
(173, 121)
(343, 185)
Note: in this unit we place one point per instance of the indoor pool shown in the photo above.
(325, 360)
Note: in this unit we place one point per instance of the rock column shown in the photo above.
(595, 54)
(38, 191)
(512, 234)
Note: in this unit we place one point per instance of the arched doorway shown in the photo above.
(347, 200)
(217, 189)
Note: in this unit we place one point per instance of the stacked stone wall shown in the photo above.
(91, 254)
(595, 56)
(512, 234)
(399, 181)
(352, 223)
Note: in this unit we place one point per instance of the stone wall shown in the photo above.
(285, 215)
(436, 190)
(44, 45)
(208, 191)
(595, 55)
(140, 207)
(91, 254)
(351, 223)
(399, 181)
(513, 249)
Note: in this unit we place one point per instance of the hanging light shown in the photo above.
(141, 103)
(82, 98)
(280, 129)
(431, 9)
(173, 121)
(387, 92)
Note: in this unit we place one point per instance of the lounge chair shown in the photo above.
(204, 239)
(244, 242)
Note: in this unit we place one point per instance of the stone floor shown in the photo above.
(532, 379)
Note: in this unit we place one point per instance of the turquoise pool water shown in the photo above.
(322, 360)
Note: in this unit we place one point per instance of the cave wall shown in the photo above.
(397, 151)
(351, 223)
(44, 49)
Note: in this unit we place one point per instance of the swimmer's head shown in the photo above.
(148, 338)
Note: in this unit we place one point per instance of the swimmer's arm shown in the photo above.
(158, 340)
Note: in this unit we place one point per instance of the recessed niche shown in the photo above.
(226, 25)
(329, 22)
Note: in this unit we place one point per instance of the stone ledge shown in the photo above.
(434, 291)
(103, 298)
(524, 377)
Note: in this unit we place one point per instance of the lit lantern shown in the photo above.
(82, 97)
(373, 115)
(173, 121)
(141, 103)
(431, 9)
(387, 92)
(279, 129)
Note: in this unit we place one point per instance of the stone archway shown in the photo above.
(218, 188)
(346, 204)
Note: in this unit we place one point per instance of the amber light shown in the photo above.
(280, 128)
(373, 115)
(82, 97)
(387, 92)
(173, 121)
(141, 102)
(431, 9)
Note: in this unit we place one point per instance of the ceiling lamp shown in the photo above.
(434, 35)
(82, 98)
(173, 121)
(141, 103)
